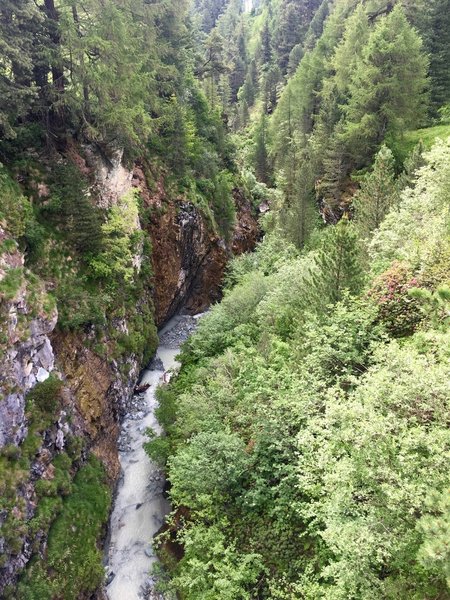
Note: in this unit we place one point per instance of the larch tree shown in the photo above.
(388, 87)
(378, 193)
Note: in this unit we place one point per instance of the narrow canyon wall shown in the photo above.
(188, 257)
(188, 262)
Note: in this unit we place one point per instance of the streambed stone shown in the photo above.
(140, 505)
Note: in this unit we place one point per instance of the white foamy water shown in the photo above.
(140, 506)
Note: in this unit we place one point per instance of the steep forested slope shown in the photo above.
(307, 439)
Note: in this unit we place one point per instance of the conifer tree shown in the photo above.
(288, 30)
(213, 64)
(316, 26)
(20, 22)
(387, 91)
(261, 154)
(248, 91)
(210, 11)
(300, 214)
(265, 55)
(439, 47)
(335, 170)
(379, 191)
(349, 51)
(339, 260)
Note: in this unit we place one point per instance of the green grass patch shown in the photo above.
(11, 283)
(73, 564)
(405, 145)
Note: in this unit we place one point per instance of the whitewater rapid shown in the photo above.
(140, 506)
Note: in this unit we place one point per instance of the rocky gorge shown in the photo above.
(92, 389)
(140, 503)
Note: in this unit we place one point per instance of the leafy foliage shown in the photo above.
(115, 262)
(307, 446)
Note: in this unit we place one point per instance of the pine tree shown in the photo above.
(339, 261)
(378, 193)
(387, 91)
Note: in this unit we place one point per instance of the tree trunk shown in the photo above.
(55, 38)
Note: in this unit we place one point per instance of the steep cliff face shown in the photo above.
(93, 395)
(96, 383)
(188, 257)
(28, 356)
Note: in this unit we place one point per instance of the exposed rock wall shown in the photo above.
(27, 352)
(94, 395)
(188, 257)
(188, 261)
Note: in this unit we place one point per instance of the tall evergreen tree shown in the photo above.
(210, 11)
(387, 91)
(378, 193)
(291, 24)
(20, 23)
(439, 49)
(335, 167)
(298, 217)
(340, 262)
(261, 154)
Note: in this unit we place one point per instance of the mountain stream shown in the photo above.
(140, 505)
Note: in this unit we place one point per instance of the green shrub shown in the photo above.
(45, 397)
(15, 209)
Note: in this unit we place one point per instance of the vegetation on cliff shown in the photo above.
(91, 93)
(73, 563)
